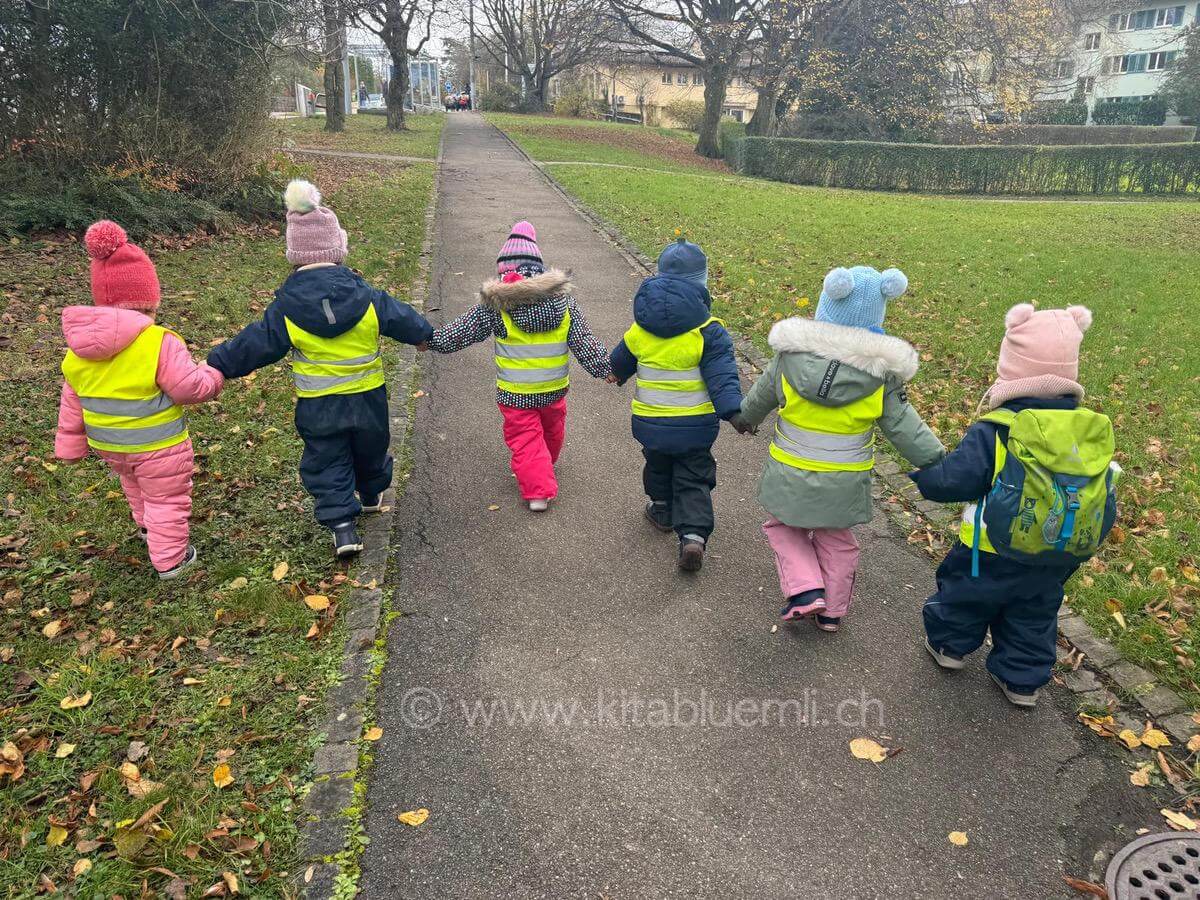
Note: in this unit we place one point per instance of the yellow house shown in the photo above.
(645, 87)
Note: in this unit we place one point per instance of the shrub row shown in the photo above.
(1072, 112)
(1131, 112)
(1121, 169)
(1068, 135)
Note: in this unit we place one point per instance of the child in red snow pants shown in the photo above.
(535, 438)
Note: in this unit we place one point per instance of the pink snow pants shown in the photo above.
(158, 486)
(813, 559)
(535, 437)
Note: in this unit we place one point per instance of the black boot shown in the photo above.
(658, 515)
(346, 541)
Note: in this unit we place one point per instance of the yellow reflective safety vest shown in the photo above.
(972, 515)
(532, 362)
(669, 381)
(124, 411)
(826, 438)
(346, 364)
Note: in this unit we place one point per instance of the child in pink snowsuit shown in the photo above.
(126, 380)
(534, 321)
(833, 381)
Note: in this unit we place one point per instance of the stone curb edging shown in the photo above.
(325, 829)
(1104, 664)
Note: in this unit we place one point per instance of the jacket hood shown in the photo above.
(504, 297)
(667, 306)
(101, 332)
(325, 300)
(1065, 401)
(879, 355)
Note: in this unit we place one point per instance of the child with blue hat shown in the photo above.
(834, 380)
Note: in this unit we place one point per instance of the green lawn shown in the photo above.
(366, 134)
(968, 261)
(552, 139)
(217, 668)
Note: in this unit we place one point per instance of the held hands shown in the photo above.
(741, 425)
(611, 378)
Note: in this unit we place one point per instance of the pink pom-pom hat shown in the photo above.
(122, 274)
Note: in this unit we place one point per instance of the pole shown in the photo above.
(471, 62)
(346, 73)
(356, 81)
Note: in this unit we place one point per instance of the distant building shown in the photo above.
(644, 86)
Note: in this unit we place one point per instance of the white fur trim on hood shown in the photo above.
(879, 355)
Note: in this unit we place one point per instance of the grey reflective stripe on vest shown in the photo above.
(821, 446)
(126, 437)
(323, 382)
(531, 351)
(659, 397)
(354, 361)
(649, 373)
(134, 409)
(531, 376)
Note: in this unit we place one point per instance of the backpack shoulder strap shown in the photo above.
(1000, 417)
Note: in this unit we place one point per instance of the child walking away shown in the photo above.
(534, 321)
(687, 381)
(126, 380)
(1039, 477)
(833, 380)
(331, 321)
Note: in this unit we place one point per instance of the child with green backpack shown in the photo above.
(1038, 474)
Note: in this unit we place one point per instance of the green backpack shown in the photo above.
(1054, 498)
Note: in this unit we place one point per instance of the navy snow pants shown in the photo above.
(346, 439)
(1018, 603)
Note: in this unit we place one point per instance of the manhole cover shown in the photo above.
(1156, 867)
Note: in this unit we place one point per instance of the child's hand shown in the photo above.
(422, 347)
(741, 425)
(611, 378)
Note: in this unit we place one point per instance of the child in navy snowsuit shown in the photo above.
(1018, 602)
(687, 381)
(331, 322)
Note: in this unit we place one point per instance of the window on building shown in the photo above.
(1062, 68)
(1091, 41)
(1146, 18)
(698, 78)
(1086, 85)
(681, 78)
(1130, 62)
(1161, 60)
(666, 77)
(734, 113)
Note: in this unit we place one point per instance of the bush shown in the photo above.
(1074, 112)
(730, 137)
(687, 114)
(1131, 112)
(844, 125)
(503, 97)
(578, 105)
(1112, 169)
(1068, 135)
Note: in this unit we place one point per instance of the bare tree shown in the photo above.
(712, 35)
(784, 27)
(334, 50)
(404, 26)
(538, 39)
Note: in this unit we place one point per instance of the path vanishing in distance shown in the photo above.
(583, 605)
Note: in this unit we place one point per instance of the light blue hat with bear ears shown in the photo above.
(858, 297)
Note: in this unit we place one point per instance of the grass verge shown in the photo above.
(125, 794)
(968, 261)
(366, 134)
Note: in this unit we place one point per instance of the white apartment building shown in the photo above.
(1122, 56)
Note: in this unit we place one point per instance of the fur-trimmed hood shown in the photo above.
(878, 355)
(503, 297)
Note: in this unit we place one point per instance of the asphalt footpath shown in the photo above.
(581, 719)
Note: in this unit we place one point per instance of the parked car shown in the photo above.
(373, 101)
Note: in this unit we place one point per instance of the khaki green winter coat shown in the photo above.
(804, 349)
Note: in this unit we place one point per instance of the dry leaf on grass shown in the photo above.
(55, 836)
(1178, 820)
(280, 570)
(316, 602)
(224, 701)
(238, 583)
(64, 750)
(958, 838)
(373, 734)
(231, 881)
(1153, 738)
(52, 629)
(222, 776)
(1141, 776)
(413, 817)
(1193, 743)
(1129, 739)
(865, 748)
(70, 702)
(81, 867)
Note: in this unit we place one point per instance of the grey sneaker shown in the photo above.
(945, 660)
(1025, 701)
(189, 559)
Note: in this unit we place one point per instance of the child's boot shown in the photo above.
(539, 504)
(658, 515)
(827, 623)
(346, 541)
(803, 604)
(371, 503)
(189, 559)
(1016, 698)
(691, 552)
(945, 660)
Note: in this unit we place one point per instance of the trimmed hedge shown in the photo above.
(1131, 112)
(1068, 135)
(935, 168)
(1073, 112)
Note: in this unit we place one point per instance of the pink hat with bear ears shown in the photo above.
(1039, 356)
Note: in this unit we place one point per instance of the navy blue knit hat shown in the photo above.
(683, 259)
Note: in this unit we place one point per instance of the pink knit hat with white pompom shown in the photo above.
(1039, 356)
(313, 232)
(122, 274)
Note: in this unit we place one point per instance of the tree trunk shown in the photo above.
(395, 38)
(335, 83)
(716, 81)
(763, 123)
